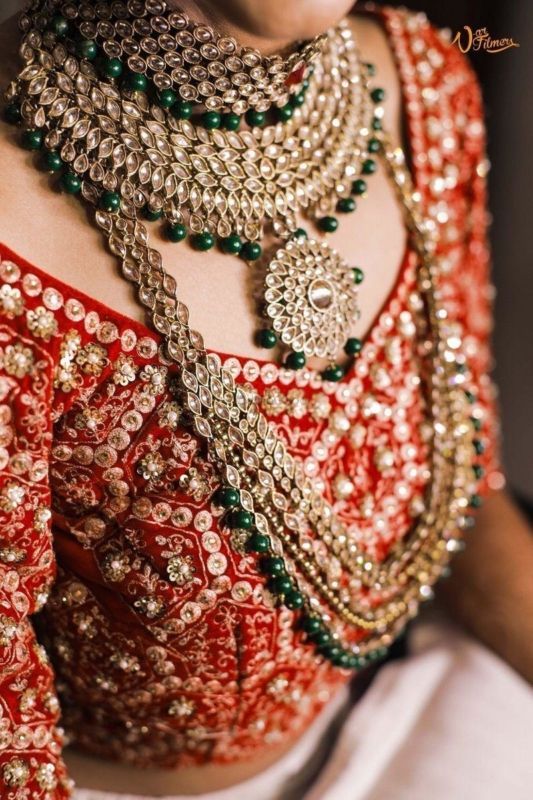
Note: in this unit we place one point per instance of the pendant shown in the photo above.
(311, 297)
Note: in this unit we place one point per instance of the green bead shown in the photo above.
(470, 397)
(12, 114)
(166, 98)
(297, 100)
(110, 201)
(370, 68)
(231, 122)
(359, 186)
(176, 232)
(299, 233)
(346, 205)
(88, 49)
(353, 346)
(136, 82)
(211, 120)
(328, 224)
(152, 214)
(257, 543)
(227, 497)
(112, 67)
(294, 600)
(377, 124)
(331, 651)
(311, 625)
(333, 373)
(232, 245)
(377, 95)
(477, 424)
(374, 146)
(358, 275)
(305, 85)
(242, 519)
(251, 251)
(369, 166)
(295, 360)
(459, 367)
(181, 109)
(70, 183)
(52, 161)
(322, 638)
(344, 660)
(479, 447)
(59, 25)
(203, 241)
(255, 119)
(285, 112)
(267, 339)
(476, 501)
(478, 471)
(273, 565)
(32, 140)
(281, 584)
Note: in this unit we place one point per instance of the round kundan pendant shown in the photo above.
(311, 298)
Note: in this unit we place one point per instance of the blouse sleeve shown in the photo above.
(30, 740)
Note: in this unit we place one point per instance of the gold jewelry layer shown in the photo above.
(105, 138)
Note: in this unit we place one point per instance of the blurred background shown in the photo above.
(509, 117)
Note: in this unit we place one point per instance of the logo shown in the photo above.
(480, 39)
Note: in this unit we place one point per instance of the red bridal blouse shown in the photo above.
(157, 634)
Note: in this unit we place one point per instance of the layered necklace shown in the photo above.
(152, 117)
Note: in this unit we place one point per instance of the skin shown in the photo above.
(492, 578)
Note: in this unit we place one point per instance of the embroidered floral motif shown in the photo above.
(155, 378)
(92, 358)
(151, 467)
(11, 301)
(124, 370)
(42, 323)
(17, 360)
(180, 570)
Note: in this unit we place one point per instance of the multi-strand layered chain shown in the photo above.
(131, 159)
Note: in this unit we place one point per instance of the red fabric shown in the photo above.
(202, 666)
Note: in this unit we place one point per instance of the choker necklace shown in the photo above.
(132, 159)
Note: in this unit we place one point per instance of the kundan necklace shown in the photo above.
(134, 151)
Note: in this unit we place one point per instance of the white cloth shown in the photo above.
(449, 722)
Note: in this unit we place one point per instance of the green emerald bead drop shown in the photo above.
(152, 214)
(311, 625)
(369, 166)
(470, 397)
(475, 501)
(328, 224)
(12, 114)
(59, 25)
(255, 118)
(295, 360)
(346, 205)
(166, 98)
(321, 638)
(227, 498)
(297, 100)
(251, 251)
(176, 232)
(370, 68)
(333, 373)
(358, 275)
(257, 543)
(181, 109)
(479, 447)
(52, 161)
(88, 49)
(285, 112)
(267, 339)
(294, 600)
(299, 233)
(112, 67)
(377, 95)
(32, 140)
(477, 424)
(232, 245)
(281, 584)
(203, 241)
(478, 471)
(136, 82)
(70, 183)
(211, 120)
(110, 201)
(230, 122)
(374, 146)
(353, 346)
(359, 186)
(273, 565)
(377, 124)
(241, 519)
